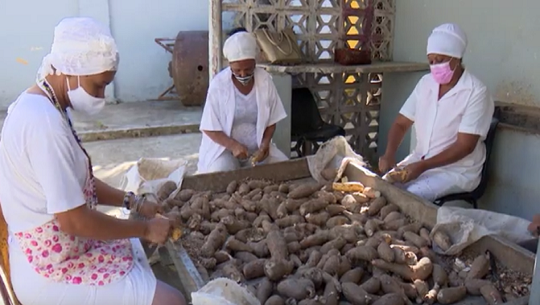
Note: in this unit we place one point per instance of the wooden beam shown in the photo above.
(215, 33)
(520, 117)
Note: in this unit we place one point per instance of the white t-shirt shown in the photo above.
(244, 128)
(42, 168)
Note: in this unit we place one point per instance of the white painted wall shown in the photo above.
(26, 30)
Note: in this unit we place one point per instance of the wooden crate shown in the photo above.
(506, 253)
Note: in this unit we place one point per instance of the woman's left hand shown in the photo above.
(149, 209)
(263, 153)
(413, 170)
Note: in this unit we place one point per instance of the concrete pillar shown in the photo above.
(282, 136)
(99, 10)
(535, 286)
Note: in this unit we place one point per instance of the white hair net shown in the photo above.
(447, 39)
(81, 46)
(240, 46)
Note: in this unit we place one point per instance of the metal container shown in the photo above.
(189, 67)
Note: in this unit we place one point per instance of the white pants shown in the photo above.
(227, 162)
(136, 288)
(432, 185)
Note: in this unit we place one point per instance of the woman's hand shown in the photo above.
(261, 154)
(149, 209)
(239, 151)
(158, 230)
(386, 163)
(413, 170)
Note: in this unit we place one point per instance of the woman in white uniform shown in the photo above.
(61, 250)
(241, 111)
(451, 111)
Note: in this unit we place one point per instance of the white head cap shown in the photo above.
(240, 46)
(447, 39)
(81, 46)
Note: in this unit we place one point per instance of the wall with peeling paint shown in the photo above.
(26, 30)
(504, 52)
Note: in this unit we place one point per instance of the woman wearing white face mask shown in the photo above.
(241, 111)
(61, 250)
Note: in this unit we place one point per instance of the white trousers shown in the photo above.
(432, 185)
(136, 288)
(227, 162)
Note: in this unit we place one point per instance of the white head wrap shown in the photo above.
(240, 46)
(447, 39)
(81, 46)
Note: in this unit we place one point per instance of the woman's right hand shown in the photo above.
(158, 230)
(239, 151)
(386, 163)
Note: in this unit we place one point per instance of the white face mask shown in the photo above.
(83, 102)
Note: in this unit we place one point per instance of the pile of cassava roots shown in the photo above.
(307, 243)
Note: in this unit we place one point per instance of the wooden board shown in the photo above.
(328, 68)
(509, 254)
(217, 182)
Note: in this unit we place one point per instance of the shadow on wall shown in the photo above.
(396, 89)
(513, 186)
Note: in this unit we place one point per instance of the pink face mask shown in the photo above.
(442, 73)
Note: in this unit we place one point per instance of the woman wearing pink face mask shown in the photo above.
(451, 111)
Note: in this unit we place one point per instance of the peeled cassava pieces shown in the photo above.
(348, 187)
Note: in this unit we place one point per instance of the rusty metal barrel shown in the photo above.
(189, 67)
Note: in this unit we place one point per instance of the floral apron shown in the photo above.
(73, 260)
(68, 259)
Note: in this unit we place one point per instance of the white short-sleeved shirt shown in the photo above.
(42, 168)
(218, 115)
(244, 128)
(466, 108)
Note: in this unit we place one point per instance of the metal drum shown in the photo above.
(189, 67)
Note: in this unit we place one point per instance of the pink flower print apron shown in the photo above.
(73, 260)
